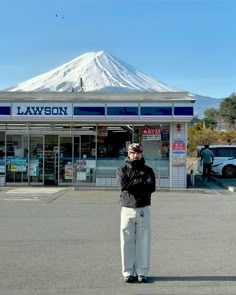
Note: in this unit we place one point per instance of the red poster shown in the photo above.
(178, 146)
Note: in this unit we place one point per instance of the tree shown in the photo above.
(228, 136)
(210, 117)
(228, 110)
(198, 134)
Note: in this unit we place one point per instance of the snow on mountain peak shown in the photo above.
(99, 71)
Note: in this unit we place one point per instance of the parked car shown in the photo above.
(221, 153)
(225, 168)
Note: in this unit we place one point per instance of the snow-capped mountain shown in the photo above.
(99, 71)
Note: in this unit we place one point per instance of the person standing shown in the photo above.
(137, 182)
(207, 159)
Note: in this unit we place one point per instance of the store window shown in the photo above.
(36, 159)
(17, 158)
(156, 111)
(66, 159)
(89, 111)
(112, 143)
(155, 141)
(2, 158)
(85, 156)
(122, 111)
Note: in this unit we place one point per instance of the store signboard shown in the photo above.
(42, 110)
(151, 133)
(178, 153)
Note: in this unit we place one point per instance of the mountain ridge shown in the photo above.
(99, 70)
(102, 72)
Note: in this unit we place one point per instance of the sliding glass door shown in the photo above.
(66, 164)
(36, 143)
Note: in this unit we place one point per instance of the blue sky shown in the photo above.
(188, 44)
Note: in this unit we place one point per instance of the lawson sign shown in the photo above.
(42, 110)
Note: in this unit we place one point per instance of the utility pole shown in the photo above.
(81, 84)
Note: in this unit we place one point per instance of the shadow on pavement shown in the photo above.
(192, 278)
(228, 184)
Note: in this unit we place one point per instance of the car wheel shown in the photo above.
(229, 171)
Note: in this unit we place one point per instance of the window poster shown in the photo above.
(18, 165)
(34, 168)
(2, 166)
(68, 171)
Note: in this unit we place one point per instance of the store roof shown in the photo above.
(97, 96)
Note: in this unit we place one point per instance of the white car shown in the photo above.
(225, 168)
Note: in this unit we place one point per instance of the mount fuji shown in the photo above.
(100, 71)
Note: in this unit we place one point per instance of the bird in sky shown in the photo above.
(58, 16)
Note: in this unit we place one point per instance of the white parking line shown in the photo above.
(17, 199)
(29, 193)
(34, 191)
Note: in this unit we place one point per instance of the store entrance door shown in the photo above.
(51, 155)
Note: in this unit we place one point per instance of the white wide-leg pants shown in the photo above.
(135, 235)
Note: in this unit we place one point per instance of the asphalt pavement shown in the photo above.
(226, 183)
(65, 241)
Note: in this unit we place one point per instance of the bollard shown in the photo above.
(158, 180)
(192, 177)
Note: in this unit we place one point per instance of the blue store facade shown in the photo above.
(79, 139)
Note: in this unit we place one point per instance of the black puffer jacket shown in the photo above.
(137, 182)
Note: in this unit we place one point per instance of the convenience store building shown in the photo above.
(79, 139)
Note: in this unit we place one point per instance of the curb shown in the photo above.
(110, 188)
(225, 186)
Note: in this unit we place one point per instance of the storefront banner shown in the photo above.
(151, 133)
(42, 110)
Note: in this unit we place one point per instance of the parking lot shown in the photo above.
(226, 183)
(67, 242)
